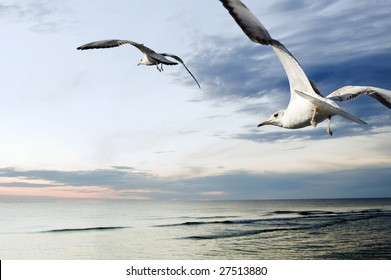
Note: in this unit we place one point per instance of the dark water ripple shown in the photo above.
(298, 221)
(82, 229)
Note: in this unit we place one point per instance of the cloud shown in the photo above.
(42, 16)
(119, 177)
(114, 183)
(118, 182)
(236, 71)
(297, 6)
(344, 183)
(212, 193)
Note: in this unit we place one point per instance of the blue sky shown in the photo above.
(92, 125)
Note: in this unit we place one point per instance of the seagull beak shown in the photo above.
(264, 123)
(139, 64)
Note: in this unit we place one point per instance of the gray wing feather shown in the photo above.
(181, 61)
(103, 44)
(349, 93)
(246, 20)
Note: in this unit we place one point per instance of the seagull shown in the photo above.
(307, 106)
(150, 57)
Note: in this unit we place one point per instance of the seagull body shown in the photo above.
(150, 56)
(307, 106)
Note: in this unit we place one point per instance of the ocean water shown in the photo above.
(235, 230)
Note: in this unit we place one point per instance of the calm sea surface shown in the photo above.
(270, 229)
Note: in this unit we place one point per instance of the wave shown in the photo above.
(304, 213)
(83, 229)
(208, 217)
(247, 221)
(274, 217)
(238, 233)
(308, 220)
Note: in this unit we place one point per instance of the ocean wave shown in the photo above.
(309, 220)
(83, 229)
(275, 216)
(303, 213)
(239, 233)
(193, 223)
(208, 217)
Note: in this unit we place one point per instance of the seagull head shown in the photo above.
(140, 63)
(276, 119)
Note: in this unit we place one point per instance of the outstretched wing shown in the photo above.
(181, 61)
(348, 93)
(103, 44)
(257, 33)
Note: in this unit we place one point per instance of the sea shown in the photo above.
(318, 229)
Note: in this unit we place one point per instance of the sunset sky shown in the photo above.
(92, 125)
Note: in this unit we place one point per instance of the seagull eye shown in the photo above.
(275, 115)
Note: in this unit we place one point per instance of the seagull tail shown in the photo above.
(329, 105)
(350, 116)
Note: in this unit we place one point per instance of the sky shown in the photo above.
(92, 125)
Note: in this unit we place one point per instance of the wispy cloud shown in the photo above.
(116, 177)
(232, 70)
(118, 182)
(41, 16)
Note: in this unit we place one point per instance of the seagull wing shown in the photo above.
(177, 58)
(103, 44)
(162, 59)
(257, 33)
(329, 106)
(348, 93)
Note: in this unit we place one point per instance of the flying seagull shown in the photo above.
(307, 106)
(150, 57)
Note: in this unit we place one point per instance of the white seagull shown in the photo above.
(306, 106)
(150, 57)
